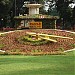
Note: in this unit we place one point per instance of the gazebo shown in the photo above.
(34, 19)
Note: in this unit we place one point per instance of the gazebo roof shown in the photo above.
(37, 16)
(34, 5)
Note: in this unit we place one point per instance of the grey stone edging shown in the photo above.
(69, 50)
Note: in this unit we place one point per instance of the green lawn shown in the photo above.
(38, 65)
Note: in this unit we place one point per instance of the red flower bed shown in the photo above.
(8, 29)
(10, 43)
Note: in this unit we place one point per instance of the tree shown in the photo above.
(73, 18)
(51, 7)
(42, 9)
(5, 6)
(64, 11)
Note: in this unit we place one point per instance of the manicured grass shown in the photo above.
(37, 65)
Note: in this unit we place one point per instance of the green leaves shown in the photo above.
(5, 2)
(5, 6)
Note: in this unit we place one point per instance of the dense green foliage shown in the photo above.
(5, 6)
(62, 8)
(11, 8)
(5, 11)
(65, 12)
(37, 65)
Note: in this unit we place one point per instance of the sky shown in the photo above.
(71, 5)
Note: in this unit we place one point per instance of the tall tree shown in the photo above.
(73, 18)
(5, 6)
(64, 10)
(50, 4)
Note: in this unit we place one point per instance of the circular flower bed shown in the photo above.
(10, 42)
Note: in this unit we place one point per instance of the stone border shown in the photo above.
(45, 29)
(2, 51)
(69, 50)
(65, 31)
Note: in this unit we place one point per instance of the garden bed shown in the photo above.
(10, 44)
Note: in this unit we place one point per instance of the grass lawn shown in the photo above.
(37, 65)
